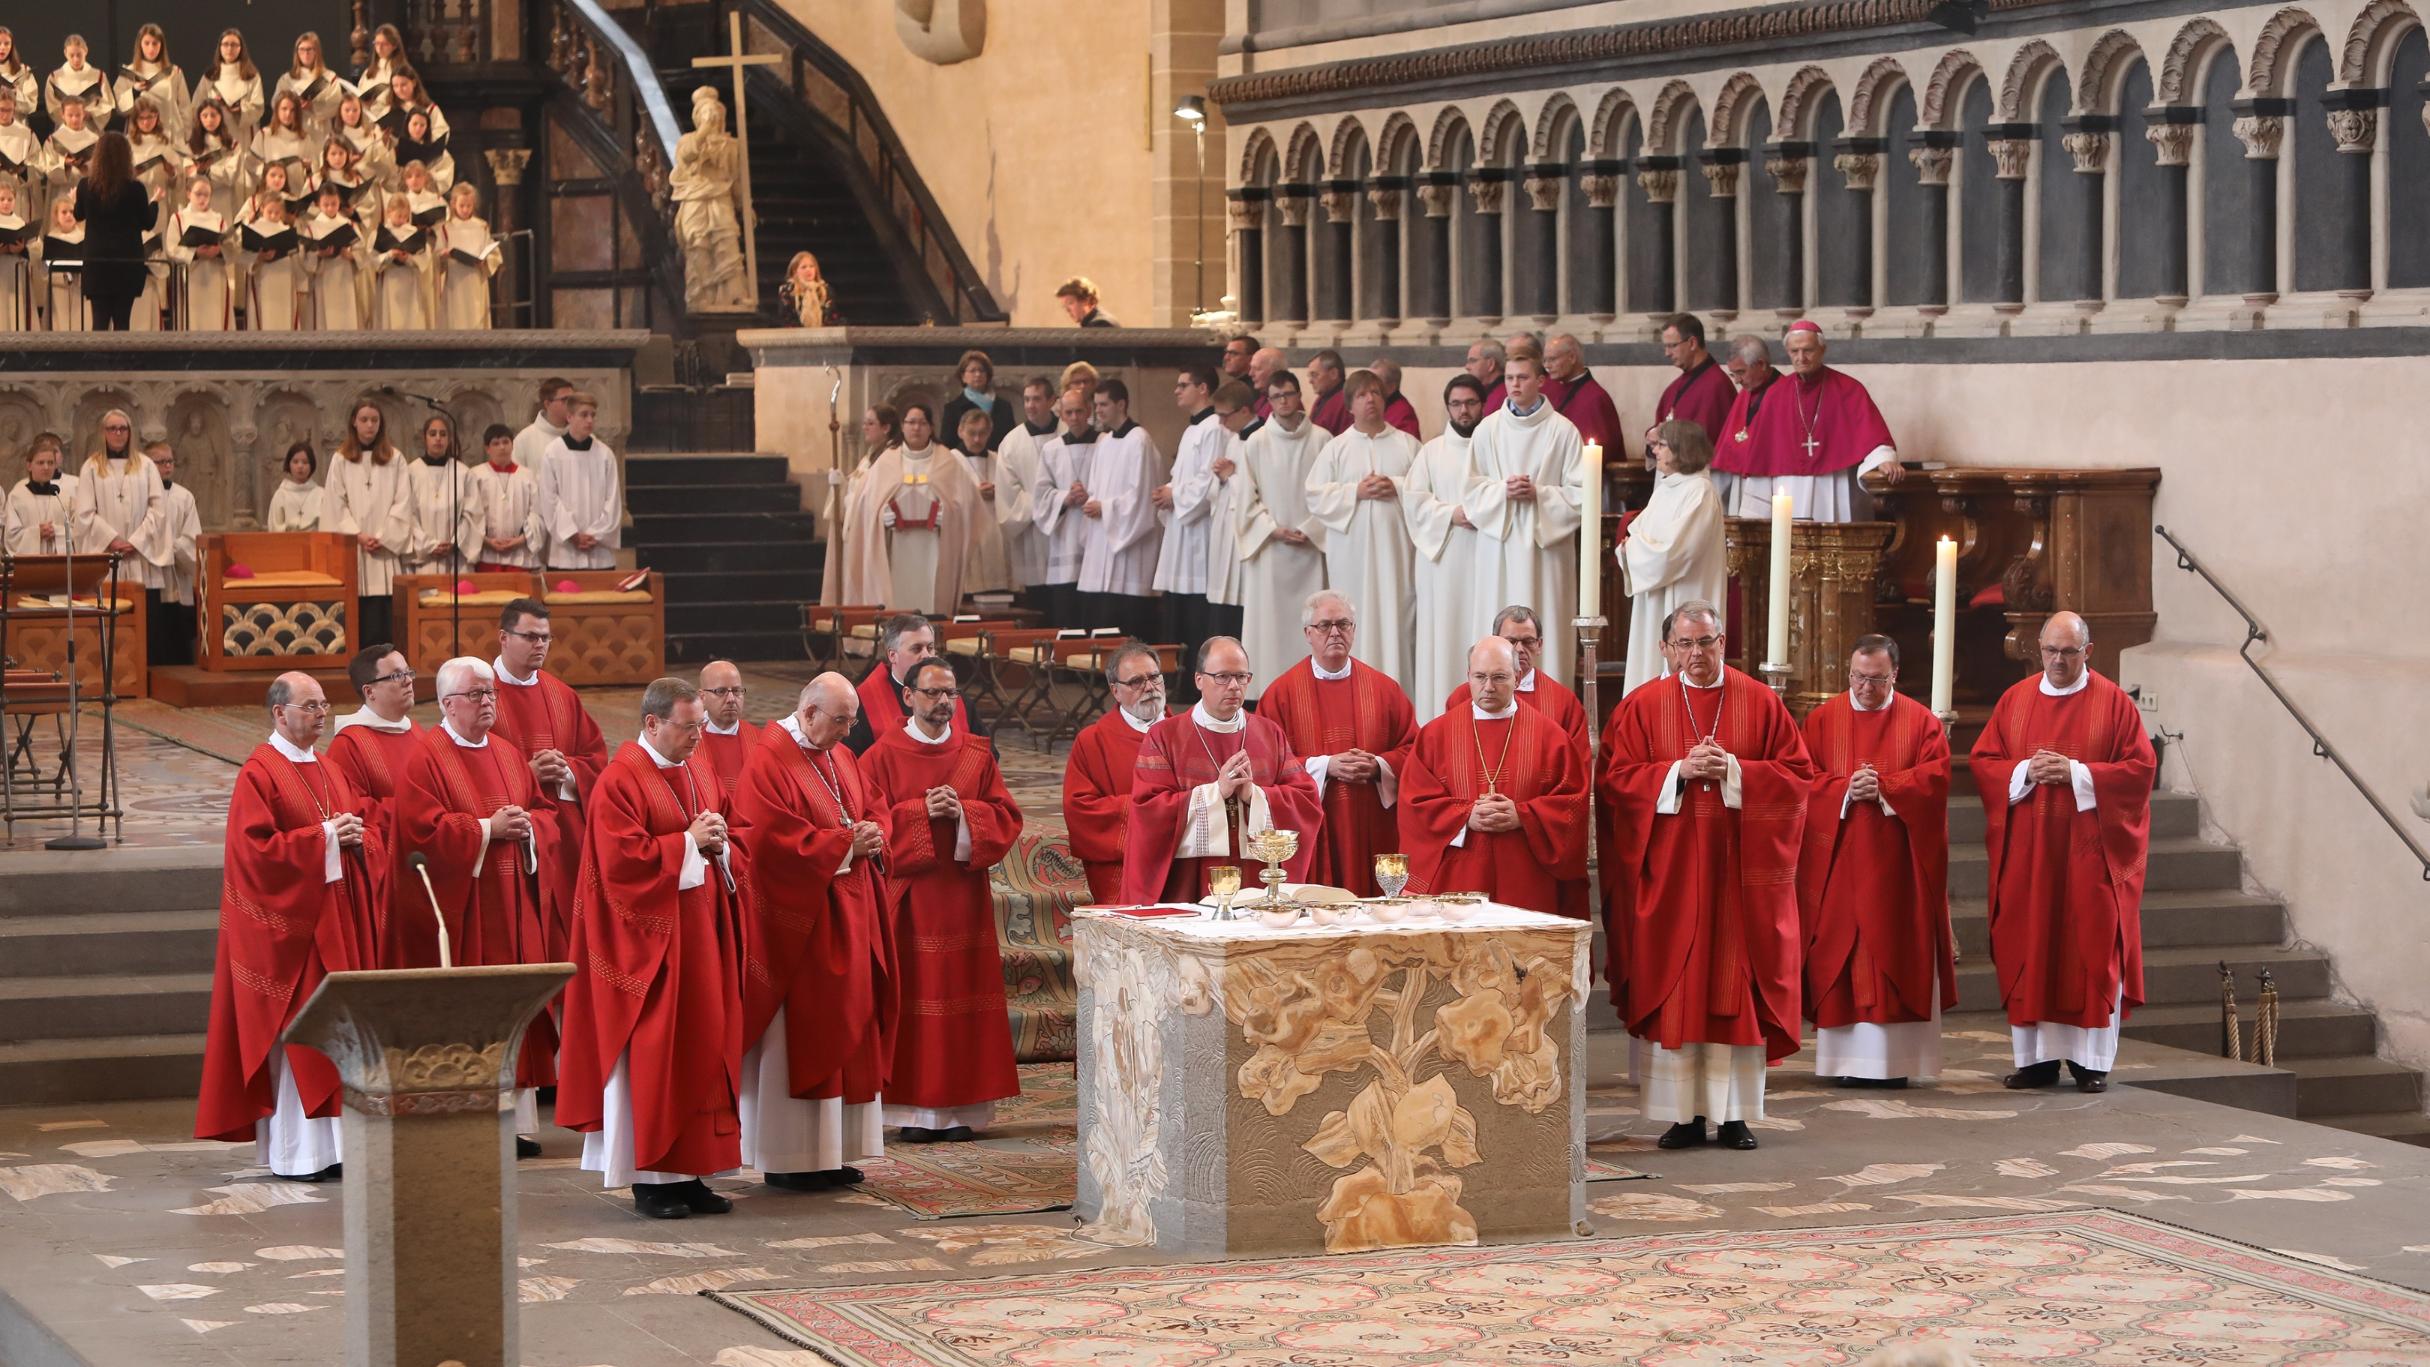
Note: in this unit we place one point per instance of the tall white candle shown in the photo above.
(1944, 624)
(1776, 641)
(1590, 532)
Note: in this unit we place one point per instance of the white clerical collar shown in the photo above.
(1477, 711)
(1859, 703)
(911, 726)
(366, 717)
(652, 751)
(506, 676)
(1718, 680)
(715, 730)
(1142, 727)
(792, 722)
(1199, 714)
(458, 737)
(2083, 681)
(280, 743)
(1527, 682)
(1321, 672)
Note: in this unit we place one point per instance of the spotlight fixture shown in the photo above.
(1192, 109)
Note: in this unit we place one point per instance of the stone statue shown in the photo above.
(707, 189)
(201, 441)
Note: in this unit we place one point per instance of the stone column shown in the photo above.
(2354, 125)
(426, 1056)
(1659, 178)
(2011, 153)
(1336, 276)
(1247, 206)
(1481, 256)
(1289, 303)
(1932, 161)
(2261, 125)
(2087, 143)
(1430, 246)
(1720, 167)
(1591, 282)
(1383, 274)
(1859, 163)
(1536, 270)
(1788, 164)
(2172, 138)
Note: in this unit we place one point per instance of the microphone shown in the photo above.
(421, 866)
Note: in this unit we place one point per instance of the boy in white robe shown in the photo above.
(1121, 531)
(581, 499)
(1017, 479)
(41, 509)
(507, 493)
(172, 625)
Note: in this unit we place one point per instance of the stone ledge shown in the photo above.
(483, 350)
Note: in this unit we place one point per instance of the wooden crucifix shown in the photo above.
(735, 60)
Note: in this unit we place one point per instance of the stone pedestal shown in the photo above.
(1834, 568)
(1253, 1092)
(429, 1151)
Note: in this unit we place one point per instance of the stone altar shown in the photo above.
(1251, 1091)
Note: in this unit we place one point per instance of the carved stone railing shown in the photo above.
(617, 107)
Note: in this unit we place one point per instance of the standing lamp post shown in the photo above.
(1193, 111)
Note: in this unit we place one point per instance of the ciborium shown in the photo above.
(1276, 848)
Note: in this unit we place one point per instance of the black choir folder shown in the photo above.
(338, 238)
(256, 241)
(473, 258)
(201, 237)
(388, 241)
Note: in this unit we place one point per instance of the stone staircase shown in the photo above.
(729, 533)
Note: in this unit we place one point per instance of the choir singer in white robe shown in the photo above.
(1281, 542)
(581, 499)
(1355, 490)
(446, 505)
(1123, 535)
(1675, 551)
(1444, 542)
(1525, 503)
(119, 505)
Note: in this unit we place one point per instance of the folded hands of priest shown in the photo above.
(1494, 812)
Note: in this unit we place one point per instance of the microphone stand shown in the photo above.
(76, 839)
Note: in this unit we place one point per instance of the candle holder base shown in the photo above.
(1776, 677)
(1948, 722)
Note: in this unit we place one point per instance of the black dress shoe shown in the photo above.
(1734, 1134)
(914, 1134)
(1687, 1134)
(660, 1201)
(526, 1148)
(796, 1181)
(846, 1176)
(2087, 1080)
(1883, 1084)
(698, 1199)
(959, 1134)
(328, 1174)
(2025, 1079)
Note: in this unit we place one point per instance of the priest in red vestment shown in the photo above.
(1495, 799)
(1702, 393)
(1519, 625)
(303, 872)
(1578, 396)
(1352, 726)
(951, 819)
(819, 984)
(1206, 780)
(1812, 434)
(2066, 775)
(1873, 882)
(1705, 782)
(1328, 396)
(539, 715)
(904, 640)
(1097, 776)
(1398, 411)
(369, 747)
(724, 741)
(464, 800)
(650, 1066)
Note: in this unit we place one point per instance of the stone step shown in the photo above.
(97, 1007)
(81, 944)
(706, 497)
(702, 556)
(2183, 976)
(123, 1068)
(38, 883)
(794, 585)
(2174, 865)
(2320, 1027)
(2170, 920)
(779, 526)
(708, 467)
(2175, 816)
(2352, 1084)
(2404, 1127)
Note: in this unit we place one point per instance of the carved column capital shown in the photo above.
(2260, 134)
(2173, 142)
(507, 164)
(1932, 163)
(2356, 130)
(1434, 199)
(1486, 195)
(1860, 168)
(1661, 184)
(2089, 151)
(1603, 191)
(1386, 201)
(1247, 214)
(1544, 193)
(2010, 157)
(1340, 205)
(1788, 173)
(1722, 177)
(1294, 209)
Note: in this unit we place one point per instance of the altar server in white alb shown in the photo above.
(1355, 490)
(1526, 504)
(1236, 409)
(1018, 476)
(172, 625)
(446, 504)
(1444, 549)
(369, 498)
(1118, 550)
(1067, 463)
(1279, 539)
(1186, 503)
(507, 494)
(119, 506)
(41, 509)
(1674, 551)
(581, 501)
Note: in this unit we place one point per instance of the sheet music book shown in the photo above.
(430, 217)
(387, 241)
(60, 254)
(282, 240)
(342, 236)
(473, 258)
(201, 237)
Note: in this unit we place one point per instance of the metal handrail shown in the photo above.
(2254, 634)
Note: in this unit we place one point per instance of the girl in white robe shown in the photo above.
(233, 81)
(400, 271)
(78, 79)
(1674, 551)
(370, 498)
(39, 520)
(387, 58)
(152, 76)
(360, 198)
(17, 76)
(213, 155)
(274, 279)
(68, 149)
(16, 264)
(373, 151)
(418, 142)
(468, 257)
(20, 153)
(296, 507)
(429, 207)
(335, 259)
(60, 292)
(205, 284)
(285, 141)
(446, 505)
(158, 162)
(405, 95)
(310, 80)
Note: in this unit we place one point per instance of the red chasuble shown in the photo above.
(282, 928)
(882, 710)
(1529, 760)
(659, 972)
(1367, 711)
(954, 1045)
(1550, 694)
(1589, 407)
(1874, 889)
(1769, 427)
(1332, 411)
(821, 945)
(1180, 755)
(2067, 886)
(1700, 906)
(727, 755)
(1097, 800)
(545, 715)
(444, 795)
(372, 760)
(1701, 396)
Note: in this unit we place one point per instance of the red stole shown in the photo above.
(1178, 756)
(2067, 886)
(1097, 800)
(1366, 711)
(1873, 890)
(1776, 421)
(1534, 766)
(545, 715)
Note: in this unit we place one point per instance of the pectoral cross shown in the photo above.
(1810, 443)
(735, 60)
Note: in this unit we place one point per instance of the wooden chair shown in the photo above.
(962, 643)
(827, 623)
(1025, 654)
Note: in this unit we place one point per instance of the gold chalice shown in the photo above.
(1276, 848)
(1392, 873)
(1223, 884)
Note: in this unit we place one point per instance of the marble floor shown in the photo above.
(131, 1243)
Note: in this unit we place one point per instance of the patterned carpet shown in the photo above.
(2080, 1286)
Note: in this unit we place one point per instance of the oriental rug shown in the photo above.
(2087, 1286)
(1035, 888)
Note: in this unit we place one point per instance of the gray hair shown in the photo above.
(1491, 350)
(659, 699)
(460, 666)
(1750, 349)
(1386, 369)
(897, 627)
(832, 681)
(1307, 609)
(1516, 612)
(281, 693)
(1128, 651)
(1690, 611)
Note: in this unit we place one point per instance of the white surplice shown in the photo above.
(116, 499)
(27, 511)
(1450, 615)
(446, 509)
(1676, 553)
(1118, 547)
(181, 530)
(1527, 550)
(580, 491)
(507, 499)
(1836, 497)
(1276, 577)
(1181, 562)
(1368, 554)
(1223, 556)
(1018, 476)
(295, 507)
(1064, 459)
(366, 497)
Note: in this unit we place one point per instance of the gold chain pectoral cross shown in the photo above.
(735, 60)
